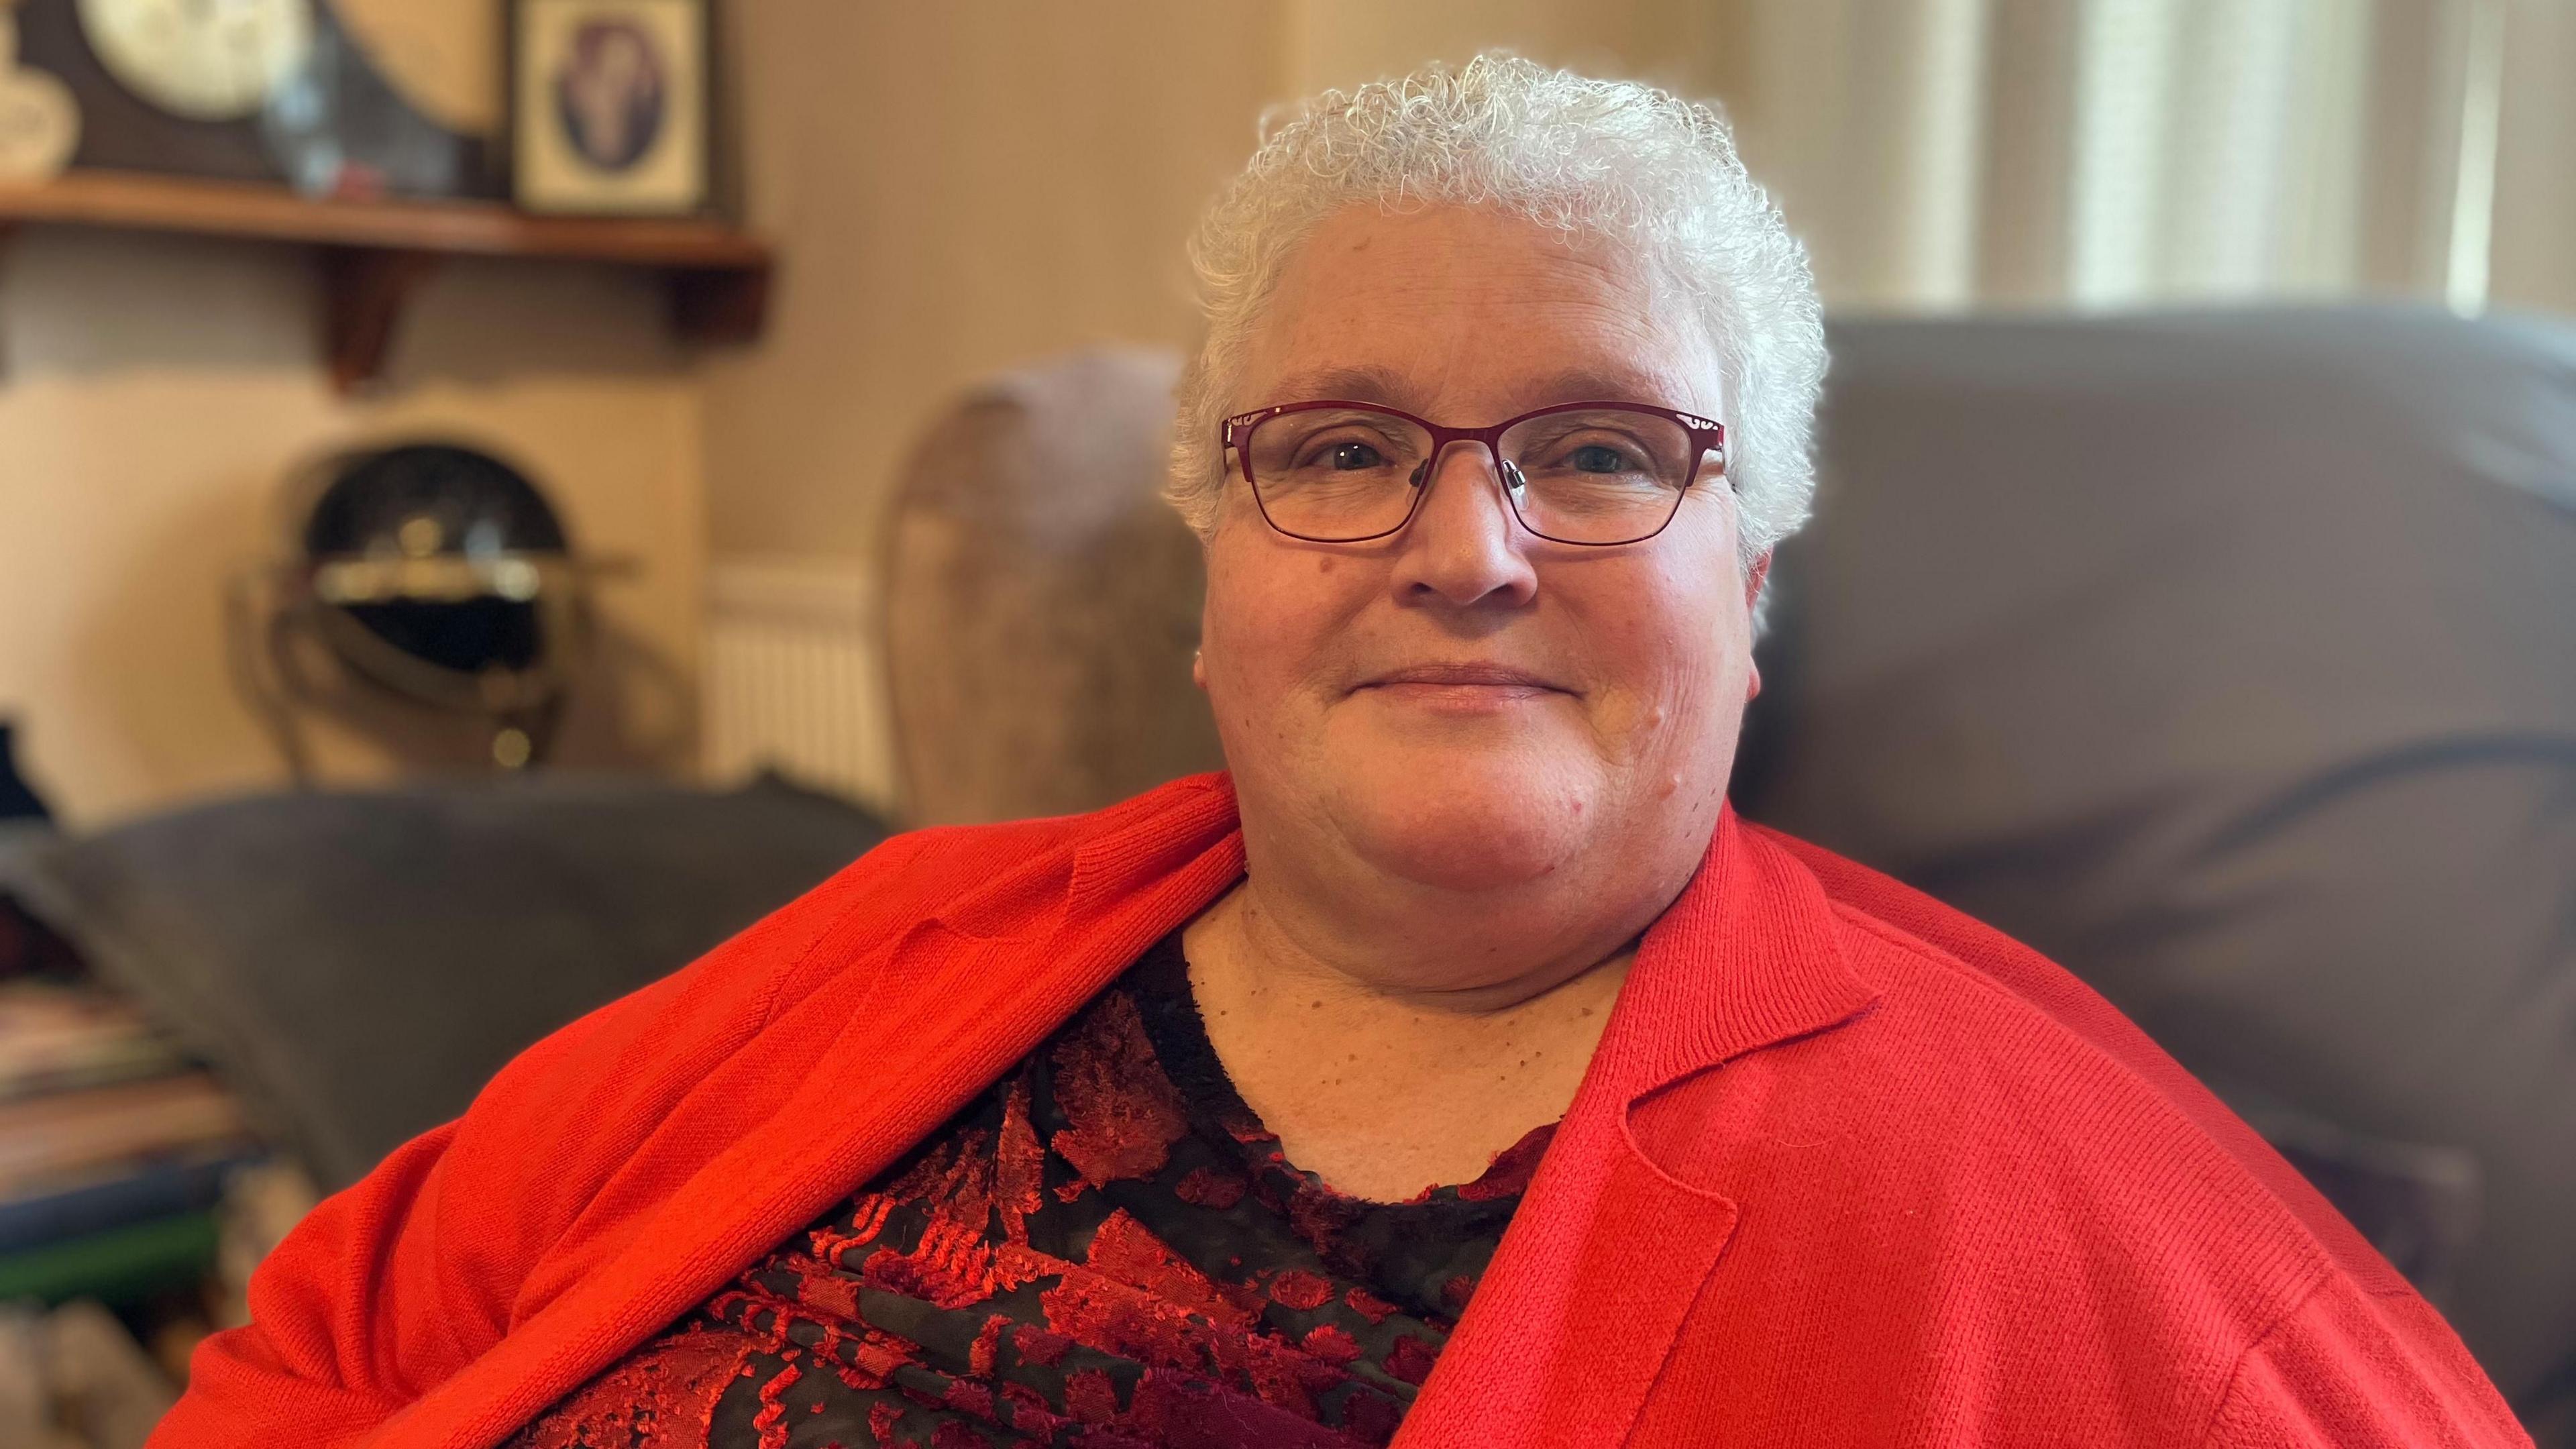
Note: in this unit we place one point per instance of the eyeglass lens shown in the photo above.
(1344, 474)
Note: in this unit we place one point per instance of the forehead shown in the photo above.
(1469, 314)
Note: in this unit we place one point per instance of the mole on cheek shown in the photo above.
(1324, 563)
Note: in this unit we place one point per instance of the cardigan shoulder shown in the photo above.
(2034, 1128)
(639, 1096)
(980, 877)
(2052, 1067)
(2319, 1377)
(2035, 1034)
(1996, 1176)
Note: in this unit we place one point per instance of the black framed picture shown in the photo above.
(609, 106)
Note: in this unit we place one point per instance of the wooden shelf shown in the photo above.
(374, 254)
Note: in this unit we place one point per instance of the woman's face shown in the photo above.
(1462, 704)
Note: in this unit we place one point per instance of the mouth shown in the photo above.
(1463, 683)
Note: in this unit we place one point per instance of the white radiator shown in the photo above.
(794, 678)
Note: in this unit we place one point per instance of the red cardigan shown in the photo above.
(1847, 1168)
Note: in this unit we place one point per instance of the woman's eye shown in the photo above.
(1598, 458)
(1349, 456)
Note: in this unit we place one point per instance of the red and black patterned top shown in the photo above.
(1104, 1250)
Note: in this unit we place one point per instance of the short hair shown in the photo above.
(1614, 160)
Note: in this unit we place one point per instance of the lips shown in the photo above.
(1463, 675)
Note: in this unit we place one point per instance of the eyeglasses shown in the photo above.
(1593, 473)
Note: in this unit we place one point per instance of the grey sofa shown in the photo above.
(2229, 659)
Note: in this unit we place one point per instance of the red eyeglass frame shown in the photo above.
(1706, 435)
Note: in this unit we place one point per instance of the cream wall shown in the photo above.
(956, 189)
(154, 392)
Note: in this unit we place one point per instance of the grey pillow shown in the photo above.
(356, 965)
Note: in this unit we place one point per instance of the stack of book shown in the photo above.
(114, 1149)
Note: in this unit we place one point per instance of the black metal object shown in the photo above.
(432, 572)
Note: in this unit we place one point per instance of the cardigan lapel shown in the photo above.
(1573, 1321)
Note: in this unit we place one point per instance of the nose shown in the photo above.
(1463, 545)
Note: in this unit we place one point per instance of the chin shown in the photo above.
(1466, 820)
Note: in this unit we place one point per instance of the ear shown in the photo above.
(1753, 578)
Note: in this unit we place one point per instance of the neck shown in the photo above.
(1440, 965)
(1330, 922)
(1481, 1021)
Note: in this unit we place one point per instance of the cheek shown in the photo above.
(1672, 654)
(1271, 616)
(1694, 600)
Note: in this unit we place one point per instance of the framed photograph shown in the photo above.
(609, 106)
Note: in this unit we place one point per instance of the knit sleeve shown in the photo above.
(2348, 1369)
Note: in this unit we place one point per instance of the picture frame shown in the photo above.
(610, 106)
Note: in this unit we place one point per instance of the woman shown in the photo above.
(1457, 1067)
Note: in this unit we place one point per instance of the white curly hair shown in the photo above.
(1604, 159)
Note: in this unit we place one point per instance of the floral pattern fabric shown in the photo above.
(1104, 1250)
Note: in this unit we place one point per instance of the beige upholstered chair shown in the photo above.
(1042, 600)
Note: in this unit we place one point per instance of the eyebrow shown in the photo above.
(1613, 385)
(1381, 385)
